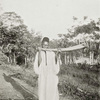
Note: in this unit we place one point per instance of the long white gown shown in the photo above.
(48, 79)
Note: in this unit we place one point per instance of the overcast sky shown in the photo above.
(51, 17)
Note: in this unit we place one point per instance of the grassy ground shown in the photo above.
(21, 81)
(76, 82)
(79, 82)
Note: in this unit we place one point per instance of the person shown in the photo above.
(46, 66)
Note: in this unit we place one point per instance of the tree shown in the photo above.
(15, 37)
(85, 31)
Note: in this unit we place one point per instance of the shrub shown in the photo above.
(3, 58)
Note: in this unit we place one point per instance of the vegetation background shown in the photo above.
(78, 80)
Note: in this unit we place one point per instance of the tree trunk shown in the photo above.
(14, 58)
(10, 58)
(25, 61)
(91, 57)
(65, 58)
(68, 59)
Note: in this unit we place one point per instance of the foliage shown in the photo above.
(15, 37)
(80, 82)
(3, 58)
(84, 31)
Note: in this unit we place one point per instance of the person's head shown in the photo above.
(45, 42)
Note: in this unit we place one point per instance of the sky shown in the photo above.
(51, 17)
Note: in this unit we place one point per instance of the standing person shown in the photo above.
(47, 69)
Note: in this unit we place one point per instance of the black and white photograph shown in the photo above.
(49, 49)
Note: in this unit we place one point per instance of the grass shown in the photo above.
(80, 82)
(26, 75)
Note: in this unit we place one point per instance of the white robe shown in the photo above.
(48, 79)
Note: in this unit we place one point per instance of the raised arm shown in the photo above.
(36, 67)
(56, 64)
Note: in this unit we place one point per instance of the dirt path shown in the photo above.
(6, 89)
(11, 88)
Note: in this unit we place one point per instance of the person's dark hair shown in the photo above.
(45, 39)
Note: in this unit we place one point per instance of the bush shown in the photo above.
(79, 81)
(29, 64)
(3, 58)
